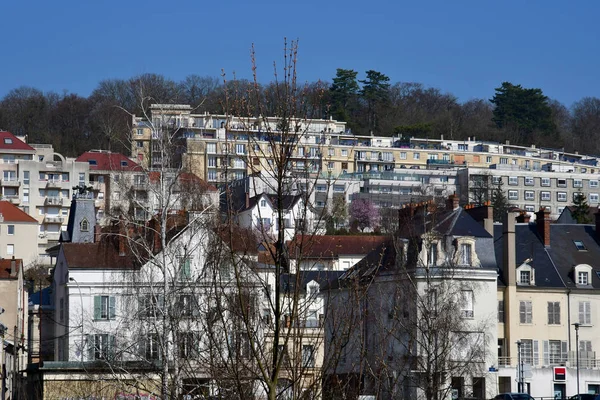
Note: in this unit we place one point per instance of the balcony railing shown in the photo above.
(54, 184)
(53, 219)
(587, 359)
(13, 198)
(53, 201)
(12, 182)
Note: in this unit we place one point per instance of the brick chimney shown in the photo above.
(509, 269)
(523, 217)
(542, 222)
(484, 215)
(406, 213)
(97, 233)
(452, 202)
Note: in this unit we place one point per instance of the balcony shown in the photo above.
(53, 219)
(54, 184)
(11, 182)
(53, 201)
(13, 198)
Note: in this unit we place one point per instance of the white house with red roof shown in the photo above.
(18, 234)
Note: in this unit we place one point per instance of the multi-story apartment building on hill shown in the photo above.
(40, 182)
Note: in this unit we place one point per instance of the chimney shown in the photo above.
(484, 215)
(406, 213)
(97, 232)
(452, 202)
(542, 221)
(122, 237)
(523, 217)
(13, 266)
(509, 269)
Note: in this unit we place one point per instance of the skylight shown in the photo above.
(579, 244)
(123, 163)
(8, 141)
(93, 162)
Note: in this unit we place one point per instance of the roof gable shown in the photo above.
(12, 213)
(8, 141)
(107, 161)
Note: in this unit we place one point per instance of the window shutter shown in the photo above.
(546, 353)
(564, 351)
(536, 353)
(550, 313)
(97, 306)
(522, 312)
(111, 307)
(581, 312)
(112, 346)
(557, 313)
(588, 312)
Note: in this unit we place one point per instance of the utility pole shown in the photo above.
(15, 364)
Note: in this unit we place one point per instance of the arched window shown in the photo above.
(84, 225)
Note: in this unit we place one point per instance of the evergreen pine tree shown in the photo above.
(500, 202)
(581, 209)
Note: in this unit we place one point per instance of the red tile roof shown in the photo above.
(12, 213)
(8, 141)
(99, 255)
(332, 246)
(5, 268)
(107, 161)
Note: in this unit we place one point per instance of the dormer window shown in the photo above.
(583, 278)
(8, 141)
(84, 225)
(579, 244)
(432, 255)
(465, 253)
(582, 275)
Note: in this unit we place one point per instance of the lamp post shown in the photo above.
(519, 368)
(81, 299)
(577, 325)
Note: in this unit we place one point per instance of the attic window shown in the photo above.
(8, 141)
(92, 162)
(579, 244)
(84, 225)
(123, 163)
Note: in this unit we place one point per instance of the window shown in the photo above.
(561, 196)
(81, 178)
(432, 255)
(593, 197)
(308, 356)
(403, 155)
(330, 165)
(416, 156)
(525, 312)
(140, 131)
(561, 182)
(579, 244)
(488, 159)
(577, 183)
(185, 272)
(513, 195)
(331, 152)
(150, 305)
(513, 180)
(501, 311)
(496, 180)
(150, 347)
(211, 148)
(545, 196)
(212, 161)
(187, 344)
(26, 177)
(529, 351)
(240, 149)
(139, 143)
(525, 277)
(344, 153)
(545, 181)
(465, 253)
(466, 304)
(553, 313)
(593, 183)
(10, 229)
(84, 225)
(528, 181)
(10, 249)
(557, 352)
(503, 160)
(585, 313)
(529, 195)
(263, 203)
(101, 346)
(583, 278)
(529, 208)
(104, 307)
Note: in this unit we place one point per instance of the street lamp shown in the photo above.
(81, 299)
(519, 368)
(577, 325)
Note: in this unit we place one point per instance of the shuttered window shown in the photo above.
(104, 307)
(525, 312)
(585, 313)
(553, 313)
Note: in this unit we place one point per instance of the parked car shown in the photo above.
(585, 396)
(513, 396)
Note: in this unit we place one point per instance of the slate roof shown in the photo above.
(8, 141)
(332, 246)
(553, 265)
(288, 201)
(12, 213)
(288, 282)
(108, 161)
(100, 255)
(566, 217)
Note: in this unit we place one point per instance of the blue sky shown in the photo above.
(463, 47)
